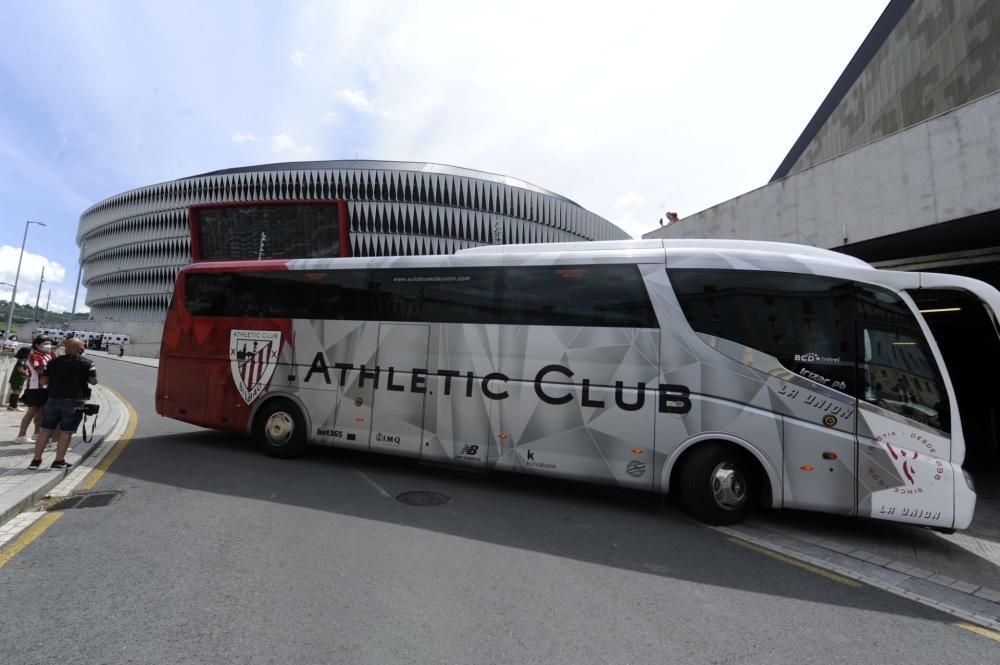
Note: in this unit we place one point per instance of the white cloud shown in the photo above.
(282, 143)
(631, 224)
(298, 58)
(285, 145)
(240, 137)
(329, 118)
(629, 199)
(31, 273)
(686, 118)
(358, 100)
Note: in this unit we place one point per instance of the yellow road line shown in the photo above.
(27, 536)
(805, 566)
(109, 459)
(979, 630)
(30, 534)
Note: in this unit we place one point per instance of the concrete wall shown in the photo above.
(943, 169)
(942, 54)
(144, 335)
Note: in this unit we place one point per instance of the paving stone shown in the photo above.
(988, 594)
(921, 573)
(964, 587)
(899, 566)
(838, 547)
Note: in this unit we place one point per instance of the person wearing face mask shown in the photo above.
(35, 395)
(68, 378)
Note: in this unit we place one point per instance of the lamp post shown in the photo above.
(79, 274)
(39, 296)
(17, 275)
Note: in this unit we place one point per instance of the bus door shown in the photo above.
(820, 448)
(819, 401)
(353, 353)
(905, 471)
(397, 420)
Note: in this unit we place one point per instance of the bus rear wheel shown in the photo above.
(717, 484)
(279, 429)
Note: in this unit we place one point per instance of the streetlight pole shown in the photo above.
(39, 296)
(17, 275)
(79, 274)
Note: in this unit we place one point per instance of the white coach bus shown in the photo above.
(734, 373)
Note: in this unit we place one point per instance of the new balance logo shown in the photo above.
(469, 450)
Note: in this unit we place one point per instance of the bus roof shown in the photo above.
(657, 250)
(680, 246)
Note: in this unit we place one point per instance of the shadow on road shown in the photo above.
(607, 526)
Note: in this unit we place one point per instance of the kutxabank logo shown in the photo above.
(253, 355)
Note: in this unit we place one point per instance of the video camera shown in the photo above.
(89, 409)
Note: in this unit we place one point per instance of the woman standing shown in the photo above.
(18, 375)
(35, 396)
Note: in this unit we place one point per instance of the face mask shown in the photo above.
(46, 347)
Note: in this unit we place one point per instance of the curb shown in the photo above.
(24, 498)
(961, 599)
(125, 359)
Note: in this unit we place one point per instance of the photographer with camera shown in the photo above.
(69, 378)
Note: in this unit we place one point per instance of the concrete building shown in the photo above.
(899, 166)
(134, 243)
(920, 59)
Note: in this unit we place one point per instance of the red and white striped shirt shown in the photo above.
(37, 360)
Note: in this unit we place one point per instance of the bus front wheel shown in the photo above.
(717, 484)
(279, 429)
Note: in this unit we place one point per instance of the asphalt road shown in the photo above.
(216, 554)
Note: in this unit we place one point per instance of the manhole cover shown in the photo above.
(87, 500)
(423, 498)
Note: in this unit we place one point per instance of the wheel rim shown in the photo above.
(729, 487)
(279, 428)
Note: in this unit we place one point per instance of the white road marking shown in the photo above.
(378, 488)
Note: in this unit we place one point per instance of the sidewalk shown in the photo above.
(959, 571)
(21, 487)
(135, 360)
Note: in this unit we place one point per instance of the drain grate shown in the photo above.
(421, 498)
(87, 500)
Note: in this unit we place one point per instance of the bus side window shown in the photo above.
(206, 294)
(580, 295)
(805, 322)
(439, 295)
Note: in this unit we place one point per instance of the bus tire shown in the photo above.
(279, 429)
(718, 484)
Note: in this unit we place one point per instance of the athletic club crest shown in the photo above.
(253, 355)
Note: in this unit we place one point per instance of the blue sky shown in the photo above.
(628, 108)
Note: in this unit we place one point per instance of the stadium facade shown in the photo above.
(133, 244)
